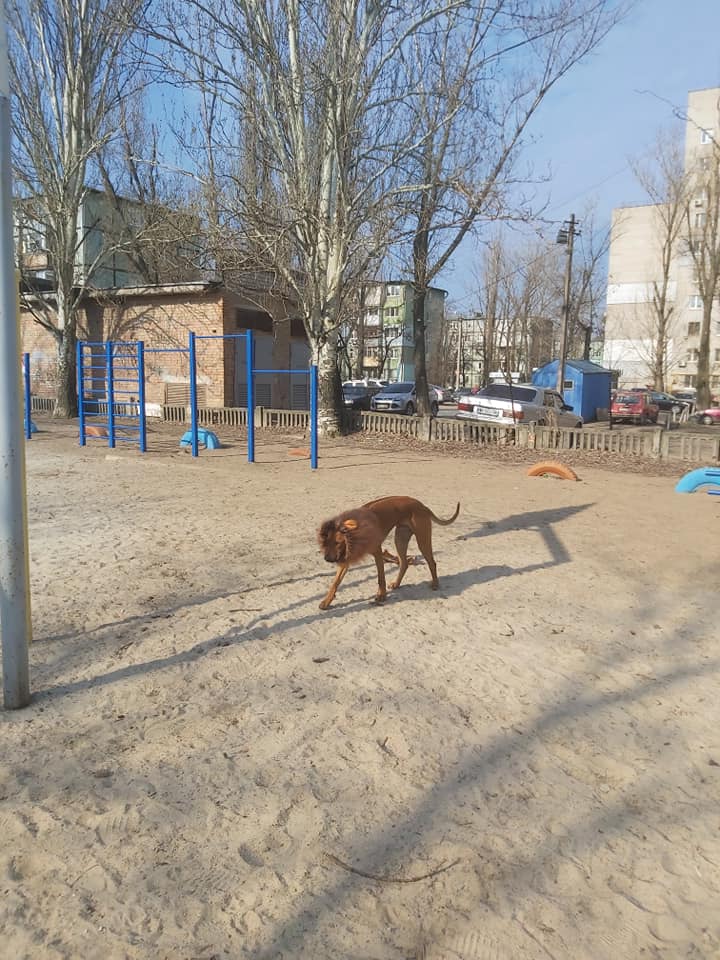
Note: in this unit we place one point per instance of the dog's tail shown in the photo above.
(446, 523)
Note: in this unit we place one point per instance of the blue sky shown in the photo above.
(610, 107)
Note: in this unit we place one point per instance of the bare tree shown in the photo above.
(666, 186)
(69, 74)
(317, 83)
(481, 86)
(702, 239)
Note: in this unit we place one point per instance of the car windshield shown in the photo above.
(628, 398)
(354, 391)
(505, 391)
(398, 388)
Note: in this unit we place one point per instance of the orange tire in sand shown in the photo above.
(554, 468)
(299, 452)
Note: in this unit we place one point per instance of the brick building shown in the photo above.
(163, 316)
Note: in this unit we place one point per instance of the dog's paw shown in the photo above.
(324, 604)
(380, 598)
(435, 585)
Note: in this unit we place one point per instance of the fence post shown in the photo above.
(110, 392)
(193, 395)
(141, 395)
(250, 395)
(313, 416)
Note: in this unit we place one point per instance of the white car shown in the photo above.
(507, 404)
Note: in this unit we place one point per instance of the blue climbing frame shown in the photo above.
(119, 410)
(251, 371)
(26, 393)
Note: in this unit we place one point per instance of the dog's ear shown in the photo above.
(325, 530)
(348, 526)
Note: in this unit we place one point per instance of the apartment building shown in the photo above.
(384, 333)
(120, 243)
(634, 270)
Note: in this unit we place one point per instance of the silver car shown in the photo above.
(505, 404)
(400, 398)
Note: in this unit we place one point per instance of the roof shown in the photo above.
(586, 366)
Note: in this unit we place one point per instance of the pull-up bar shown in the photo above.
(312, 371)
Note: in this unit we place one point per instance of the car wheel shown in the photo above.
(434, 409)
(708, 421)
(410, 409)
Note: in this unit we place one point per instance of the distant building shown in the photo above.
(383, 334)
(634, 265)
(120, 243)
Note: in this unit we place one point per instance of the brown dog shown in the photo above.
(355, 534)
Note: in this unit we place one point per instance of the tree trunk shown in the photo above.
(66, 396)
(703, 363)
(419, 359)
(329, 387)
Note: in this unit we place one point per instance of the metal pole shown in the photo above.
(110, 392)
(193, 396)
(80, 373)
(15, 622)
(28, 400)
(250, 395)
(141, 395)
(313, 417)
(566, 308)
(459, 355)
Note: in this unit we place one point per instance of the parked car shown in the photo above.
(634, 405)
(442, 394)
(663, 401)
(358, 397)
(708, 417)
(367, 382)
(400, 398)
(504, 403)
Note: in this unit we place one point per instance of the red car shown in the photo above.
(634, 405)
(709, 416)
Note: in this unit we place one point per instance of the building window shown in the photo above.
(700, 220)
(690, 379)
(704, 164)
(392, 312)
(706, 135)
(692, 355)
(694, 328)
(394, 290)
(695, 303)
(714, 383)
(717, 355)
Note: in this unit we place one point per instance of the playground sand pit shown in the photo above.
(525, 764)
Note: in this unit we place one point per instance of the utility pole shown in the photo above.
(566, 235)
(14, 580)
(459, 355)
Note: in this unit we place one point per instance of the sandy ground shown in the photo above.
(207, 754)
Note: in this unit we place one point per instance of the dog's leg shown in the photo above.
(423, 535)
(382, 588)
(402, 539)
(333, 586)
